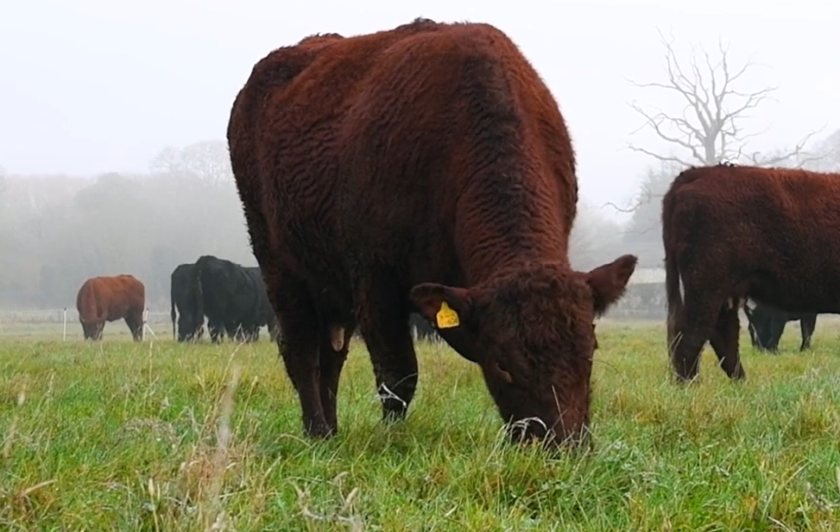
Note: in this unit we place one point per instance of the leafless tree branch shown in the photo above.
(708, 129)
(797, 152)
(667, 159)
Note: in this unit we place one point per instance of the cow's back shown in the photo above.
(225, 287)
(133, 291)
(110, 298)
(775, 230)
(374, 138)
(181, 284)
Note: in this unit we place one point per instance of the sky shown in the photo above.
(93, 86)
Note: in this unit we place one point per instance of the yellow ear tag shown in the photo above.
(446, 317)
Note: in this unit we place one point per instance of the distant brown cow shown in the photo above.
(423, 168)
(735, 232)
(102, 299)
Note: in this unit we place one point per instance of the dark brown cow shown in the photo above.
(423, 168)
(102, 299)
(735, 232)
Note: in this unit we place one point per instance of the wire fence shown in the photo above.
(63, 324)
(638, 304)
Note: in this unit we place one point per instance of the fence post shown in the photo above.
(146, 326)
(64, 333)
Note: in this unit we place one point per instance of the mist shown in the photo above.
(57, 230)
(112, 152)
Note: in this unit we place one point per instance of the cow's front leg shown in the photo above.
(383, 320)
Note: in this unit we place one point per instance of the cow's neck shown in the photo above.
(500, 227)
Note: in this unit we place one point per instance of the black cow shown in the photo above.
(421, 329)
(766, 325)
(265, 313)
(232, 297)
(183, 300)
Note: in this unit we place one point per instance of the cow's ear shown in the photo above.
(448, 308)
(444, 306)
(609, 281)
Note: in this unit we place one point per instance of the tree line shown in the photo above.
(56, 231)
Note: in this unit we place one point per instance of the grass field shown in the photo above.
(160, 436)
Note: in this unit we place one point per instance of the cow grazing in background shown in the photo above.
(421, 169)
(102, 299)
(232, 297)
(421, 328)
(766, 325)
(736, 232)
(264, 313)
(183, 300)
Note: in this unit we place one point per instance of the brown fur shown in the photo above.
(102, 299)
(386, 173)
(735, 232)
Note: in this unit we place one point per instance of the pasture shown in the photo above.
(161, 436)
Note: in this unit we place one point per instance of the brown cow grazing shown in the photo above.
(732, 232)
(102, 299)
(425, 168)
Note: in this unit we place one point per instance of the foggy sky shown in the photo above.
(91, 86)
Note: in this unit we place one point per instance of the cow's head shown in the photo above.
(532, 332)
(190, 326)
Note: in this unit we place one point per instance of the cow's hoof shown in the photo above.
(738, 375)
(392, 413)
(320, 431)
(686, 380)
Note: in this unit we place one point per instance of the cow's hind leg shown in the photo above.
(807, 325)
(763, 331)
(134, 320)
(299, 347)
(724, 340)
(693, 327)
(217, 332)
(383, 321)
(237, 332)
(335, 342)
(775, 331)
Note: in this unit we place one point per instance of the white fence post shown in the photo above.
(64, 333)
(146, 326)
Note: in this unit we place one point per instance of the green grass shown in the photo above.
(121, 436)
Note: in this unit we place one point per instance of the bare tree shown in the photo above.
(709, 128)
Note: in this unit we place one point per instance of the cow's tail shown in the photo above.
(750, 322)
(198, 291)
(172, 311)
(675, 301)
(672, 271)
